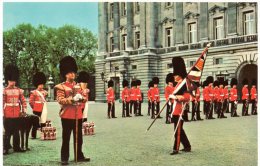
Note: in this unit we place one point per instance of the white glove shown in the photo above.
(77, 97)
(172, 97)
(170, 103)
(235, 102)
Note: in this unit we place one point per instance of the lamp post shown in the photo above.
(103, 78)
(50, 84)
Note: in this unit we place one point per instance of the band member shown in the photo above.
(155, 98)
(125, 96)
(133, 97)
(14, 107)
(168, 91)
(70, 98)
(216, 96)
(179, 101)
(245, 98)
(233, 97)
(210, 97)
(149, 97)
(205, 96)
(139, 98)
(226, 97)
(110, 100)
(37, 101)
(83, 79)
(221, 100)
(196, 104)
(253, 93)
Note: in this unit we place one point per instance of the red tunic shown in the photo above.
(253, 93)
(211, 94)
(245, 94)
(110, 95)
(125, 95)
(168, 91)
(233, 94)
(155, 94)
(205, 94)
(225, 91)
(216, 94)
(13, 102)
(149, 93)
(196, 97)
(133, 95)
(221, 94)
(179, 104)
(36, 102)
(65, 95)
(138, 94)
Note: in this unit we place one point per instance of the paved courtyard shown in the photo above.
(124, 141)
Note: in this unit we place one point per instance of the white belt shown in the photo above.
(12, 104)
(39, 102)
(156, 95)
(247, 94)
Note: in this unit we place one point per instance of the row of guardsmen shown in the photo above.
(216, 98)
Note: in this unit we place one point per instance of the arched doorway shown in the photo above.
(248, 71)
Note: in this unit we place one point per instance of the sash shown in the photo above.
(44, 109)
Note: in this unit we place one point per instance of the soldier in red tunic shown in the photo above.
(125, 96)
(245, 98)
(205, 97)
(221, 100)
(110, 100)
(167, 92)
(216, 95)
(149, 97)
(133, 97)
(253, 93)
(70, 97)
(139, 98)
(179, 101)
(196, 104)
(226, 97)
(155, 98)
(210, 97)
(38, 99)
(233, 97)
(83, 79)
(14, 107)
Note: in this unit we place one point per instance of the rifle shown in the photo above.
(210, 108)
(255, 108)
(235, 108)
(195, 109)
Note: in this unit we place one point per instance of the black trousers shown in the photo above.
(69, 125)
(254, 109)
(155, 108)
(149, 108)
(180, 135)
(139, 108)
(111, 110)
(34, 129)
(125, 109)
(233, 109)
(204, 107)
(221, 109)
(209, 109)
(133, 105)
(225, 106)
(245, 108)
(168, 113)
(215, 107)
(11, 126)
(195, 110)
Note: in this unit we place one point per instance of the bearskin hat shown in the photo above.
(83, 77)
(226, 83)
(133, 83)
(216, 83)
(210, 80)
(39, 78)
(138, 82)
(179, 67)
(11, 73)
(169, 78)
(233, 82)
(150, 84)
(156, 80)
(205, 83)
(125, 83)
(110, 83)
(245, 82)
(67, 65)
(254, 82)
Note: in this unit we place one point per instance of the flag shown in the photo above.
(191, 81)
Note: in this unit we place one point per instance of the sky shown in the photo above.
(52, 14)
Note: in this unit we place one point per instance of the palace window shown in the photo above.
(112, 45)
(168, 33)
(249, 23)
(219, 28)
(218, 61)
(192, 33)
(124, 40)
(123, 8)
(137, 39)
(111, 11)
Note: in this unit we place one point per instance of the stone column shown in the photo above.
(129, 7)
(142, 24)
(152, 22)
(116, 26)
(179, 23)
(203, 21)
(232, 19)
(102, 28)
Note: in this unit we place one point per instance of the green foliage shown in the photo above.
(40, 48)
